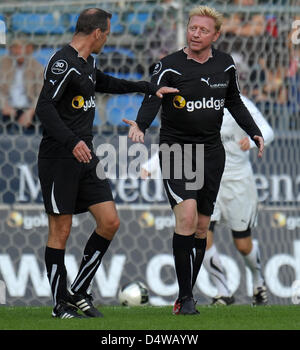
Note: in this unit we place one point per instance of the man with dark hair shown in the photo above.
(87, 23)
(67, 163)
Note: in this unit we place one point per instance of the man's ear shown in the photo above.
(98, 33)
(216, 37)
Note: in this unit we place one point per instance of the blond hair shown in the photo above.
(208, 12)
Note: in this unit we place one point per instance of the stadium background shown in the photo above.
(142, 32)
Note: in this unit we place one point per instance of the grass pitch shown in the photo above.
(234, 317)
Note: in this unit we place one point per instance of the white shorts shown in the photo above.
(236, 204)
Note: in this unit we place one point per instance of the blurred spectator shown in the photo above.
(245, 30)
(241, 25)
(21, 80)
(293, 74)
(268, 79)
(162, 33)
(269, 88)
(261, 37)
(294, 50)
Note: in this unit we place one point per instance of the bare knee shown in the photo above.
(112, 224)
(108, 227)
(243, 245)
(186, 224)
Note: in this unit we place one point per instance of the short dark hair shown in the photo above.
(91, 19)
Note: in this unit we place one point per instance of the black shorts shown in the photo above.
(177, 191)
(70, 187)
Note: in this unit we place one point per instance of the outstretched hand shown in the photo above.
(134, 133)
(165, 90)
(260, 144)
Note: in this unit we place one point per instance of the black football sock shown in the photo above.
(57, 273)
(182, 252)
(200, 246)
(94, 250)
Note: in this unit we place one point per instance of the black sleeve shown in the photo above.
(151, 104)
(147, 112)
(236, 107)
(52, 91)
(109, 84)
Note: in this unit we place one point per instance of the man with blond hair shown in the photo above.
(207, 82)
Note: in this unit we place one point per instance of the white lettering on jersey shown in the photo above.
(216, 85)
(205, 104)
(89, 103)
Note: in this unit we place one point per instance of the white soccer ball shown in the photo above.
(133, 294)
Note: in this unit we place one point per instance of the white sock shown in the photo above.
(213, 266)
(252, 260)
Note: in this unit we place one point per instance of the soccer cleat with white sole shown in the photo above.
(84, 303)
(64, 311)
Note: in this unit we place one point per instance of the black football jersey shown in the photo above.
(66, 105)
(195, 113)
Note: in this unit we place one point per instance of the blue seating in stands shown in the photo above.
(35, 23)
(72, 21)
(127, 76)
(137, 22)
(115, 24)
(124, 106)
(3, 51)
(3, 21)
(43, 54)
(3, 30)
(97, 119)
(120, 50)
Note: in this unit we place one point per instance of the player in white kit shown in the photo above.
(236, 203)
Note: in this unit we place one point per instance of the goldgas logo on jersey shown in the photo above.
(178, 102)
(77, 102)
(205, 103)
